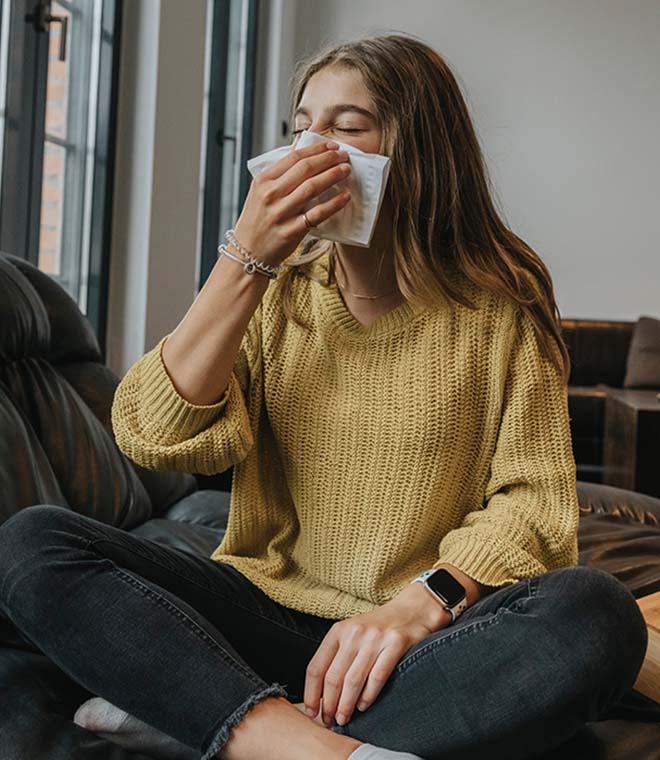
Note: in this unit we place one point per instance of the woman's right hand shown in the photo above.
(271, 223)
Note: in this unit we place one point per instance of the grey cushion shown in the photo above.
(643, 365)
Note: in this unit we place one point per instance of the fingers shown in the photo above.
(351, 664)
(293, 157)
(308, 172)
(323, 211)
(311, 188)
(271, 220)
(316, 669)
(308, 177)
(379, 673)
(344, 683)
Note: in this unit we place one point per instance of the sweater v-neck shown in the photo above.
(336, 314)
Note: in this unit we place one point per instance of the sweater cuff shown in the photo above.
(163, 404)
(481, 562)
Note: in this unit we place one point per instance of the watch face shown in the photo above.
(444, 583)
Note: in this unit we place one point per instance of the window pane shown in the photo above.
(52, 205)
(57, 134)
(69, 145)
(234, 112)
(58, 76)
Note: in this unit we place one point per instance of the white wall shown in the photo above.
(564, 96)
(153, 273)
(158, 174)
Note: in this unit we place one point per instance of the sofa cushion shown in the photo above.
(643, 363)
(195, 524)
(619, 532)
(56, 441)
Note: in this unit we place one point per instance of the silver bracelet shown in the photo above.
(231, 238)
(248, 266)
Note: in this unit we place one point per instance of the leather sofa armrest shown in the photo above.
(204, 507)
(620, 502)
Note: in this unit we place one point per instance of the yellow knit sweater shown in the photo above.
(364, 455)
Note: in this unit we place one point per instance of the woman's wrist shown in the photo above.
(232, 271)
(428, 610)
(474, 590)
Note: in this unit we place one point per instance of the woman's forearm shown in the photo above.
(200, 353)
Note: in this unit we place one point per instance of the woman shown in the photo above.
(388, 410)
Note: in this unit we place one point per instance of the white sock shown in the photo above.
(122, 728)
(372, 752)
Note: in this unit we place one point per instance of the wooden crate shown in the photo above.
(648, 680)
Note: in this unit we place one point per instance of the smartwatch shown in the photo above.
(444, 587)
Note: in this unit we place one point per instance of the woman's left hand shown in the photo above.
(358, 654)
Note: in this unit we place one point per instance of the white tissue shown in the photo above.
(354, 223)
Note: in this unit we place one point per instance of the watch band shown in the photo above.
(454, 611)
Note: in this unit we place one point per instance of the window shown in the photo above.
(229, 106)
(58, 70)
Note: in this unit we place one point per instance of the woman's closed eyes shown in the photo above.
(339, 129)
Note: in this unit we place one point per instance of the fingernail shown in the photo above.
(362, 705)
(331, 145)
(341, 719)
(309, 712)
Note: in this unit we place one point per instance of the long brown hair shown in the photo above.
(444, 220)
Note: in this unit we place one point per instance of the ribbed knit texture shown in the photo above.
(364, 455)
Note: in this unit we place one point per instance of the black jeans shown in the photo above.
(189, 644)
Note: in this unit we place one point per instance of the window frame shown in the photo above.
(215, 136)
(23, 155)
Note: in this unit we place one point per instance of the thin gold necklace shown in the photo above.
(358, 295)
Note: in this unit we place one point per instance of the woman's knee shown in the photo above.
(597, 604)
(31, 521)
(30, 529)
(594, 590)
(27, 540)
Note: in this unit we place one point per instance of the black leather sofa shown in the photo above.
(56, 447)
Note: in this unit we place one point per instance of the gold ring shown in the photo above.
(309, 226)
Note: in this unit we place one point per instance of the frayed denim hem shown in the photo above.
(222, 736)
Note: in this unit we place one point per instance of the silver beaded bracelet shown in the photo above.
(230, 237)
(247, 254)
(248, 266)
